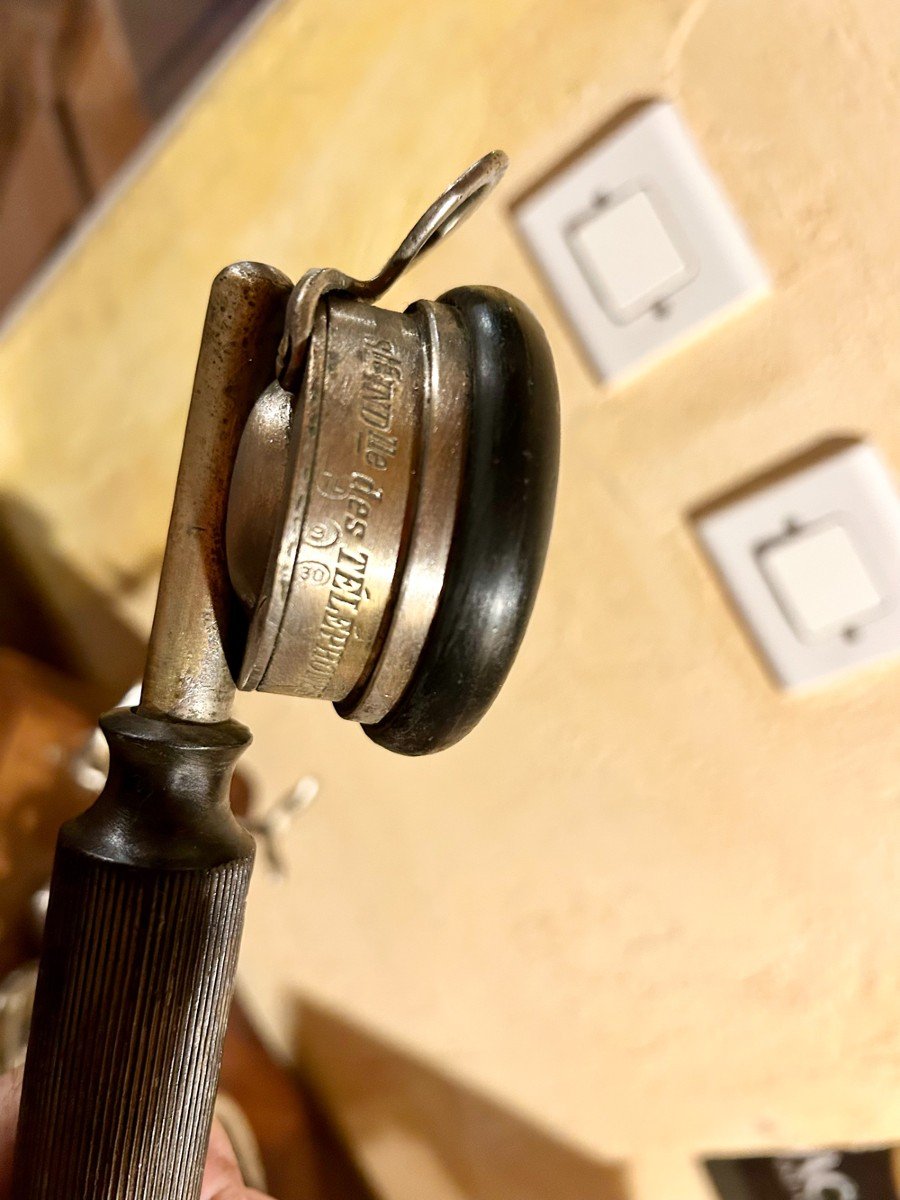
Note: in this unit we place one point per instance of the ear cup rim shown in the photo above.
(502, 529)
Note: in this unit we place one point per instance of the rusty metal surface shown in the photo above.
(199, 628)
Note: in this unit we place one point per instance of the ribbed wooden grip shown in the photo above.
(143, 929)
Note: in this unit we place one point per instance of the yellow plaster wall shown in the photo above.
(651, 907)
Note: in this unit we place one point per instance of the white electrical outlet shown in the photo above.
(640, 244)
(812, 563)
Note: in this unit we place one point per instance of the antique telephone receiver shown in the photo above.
(361, 515)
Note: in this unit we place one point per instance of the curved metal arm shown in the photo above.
(453, 205)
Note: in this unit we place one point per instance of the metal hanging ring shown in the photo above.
(456, 203)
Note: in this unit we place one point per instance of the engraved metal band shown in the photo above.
(350, 534)
(269, 607)
(445, 419)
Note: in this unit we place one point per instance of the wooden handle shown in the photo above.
(143, 928)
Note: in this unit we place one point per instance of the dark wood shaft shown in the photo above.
(143, 930)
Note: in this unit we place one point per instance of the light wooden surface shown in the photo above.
(651, 907)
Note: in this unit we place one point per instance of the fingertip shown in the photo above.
(10, 1092)
(222, 1175)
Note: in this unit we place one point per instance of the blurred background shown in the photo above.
(638, 935)
(83, 82)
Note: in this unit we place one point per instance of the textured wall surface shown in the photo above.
(651, 908)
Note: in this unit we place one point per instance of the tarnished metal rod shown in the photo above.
(199, 627)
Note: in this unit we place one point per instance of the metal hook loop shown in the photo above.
(449, 210)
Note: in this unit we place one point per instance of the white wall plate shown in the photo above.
(813, 565)
(639, 243)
